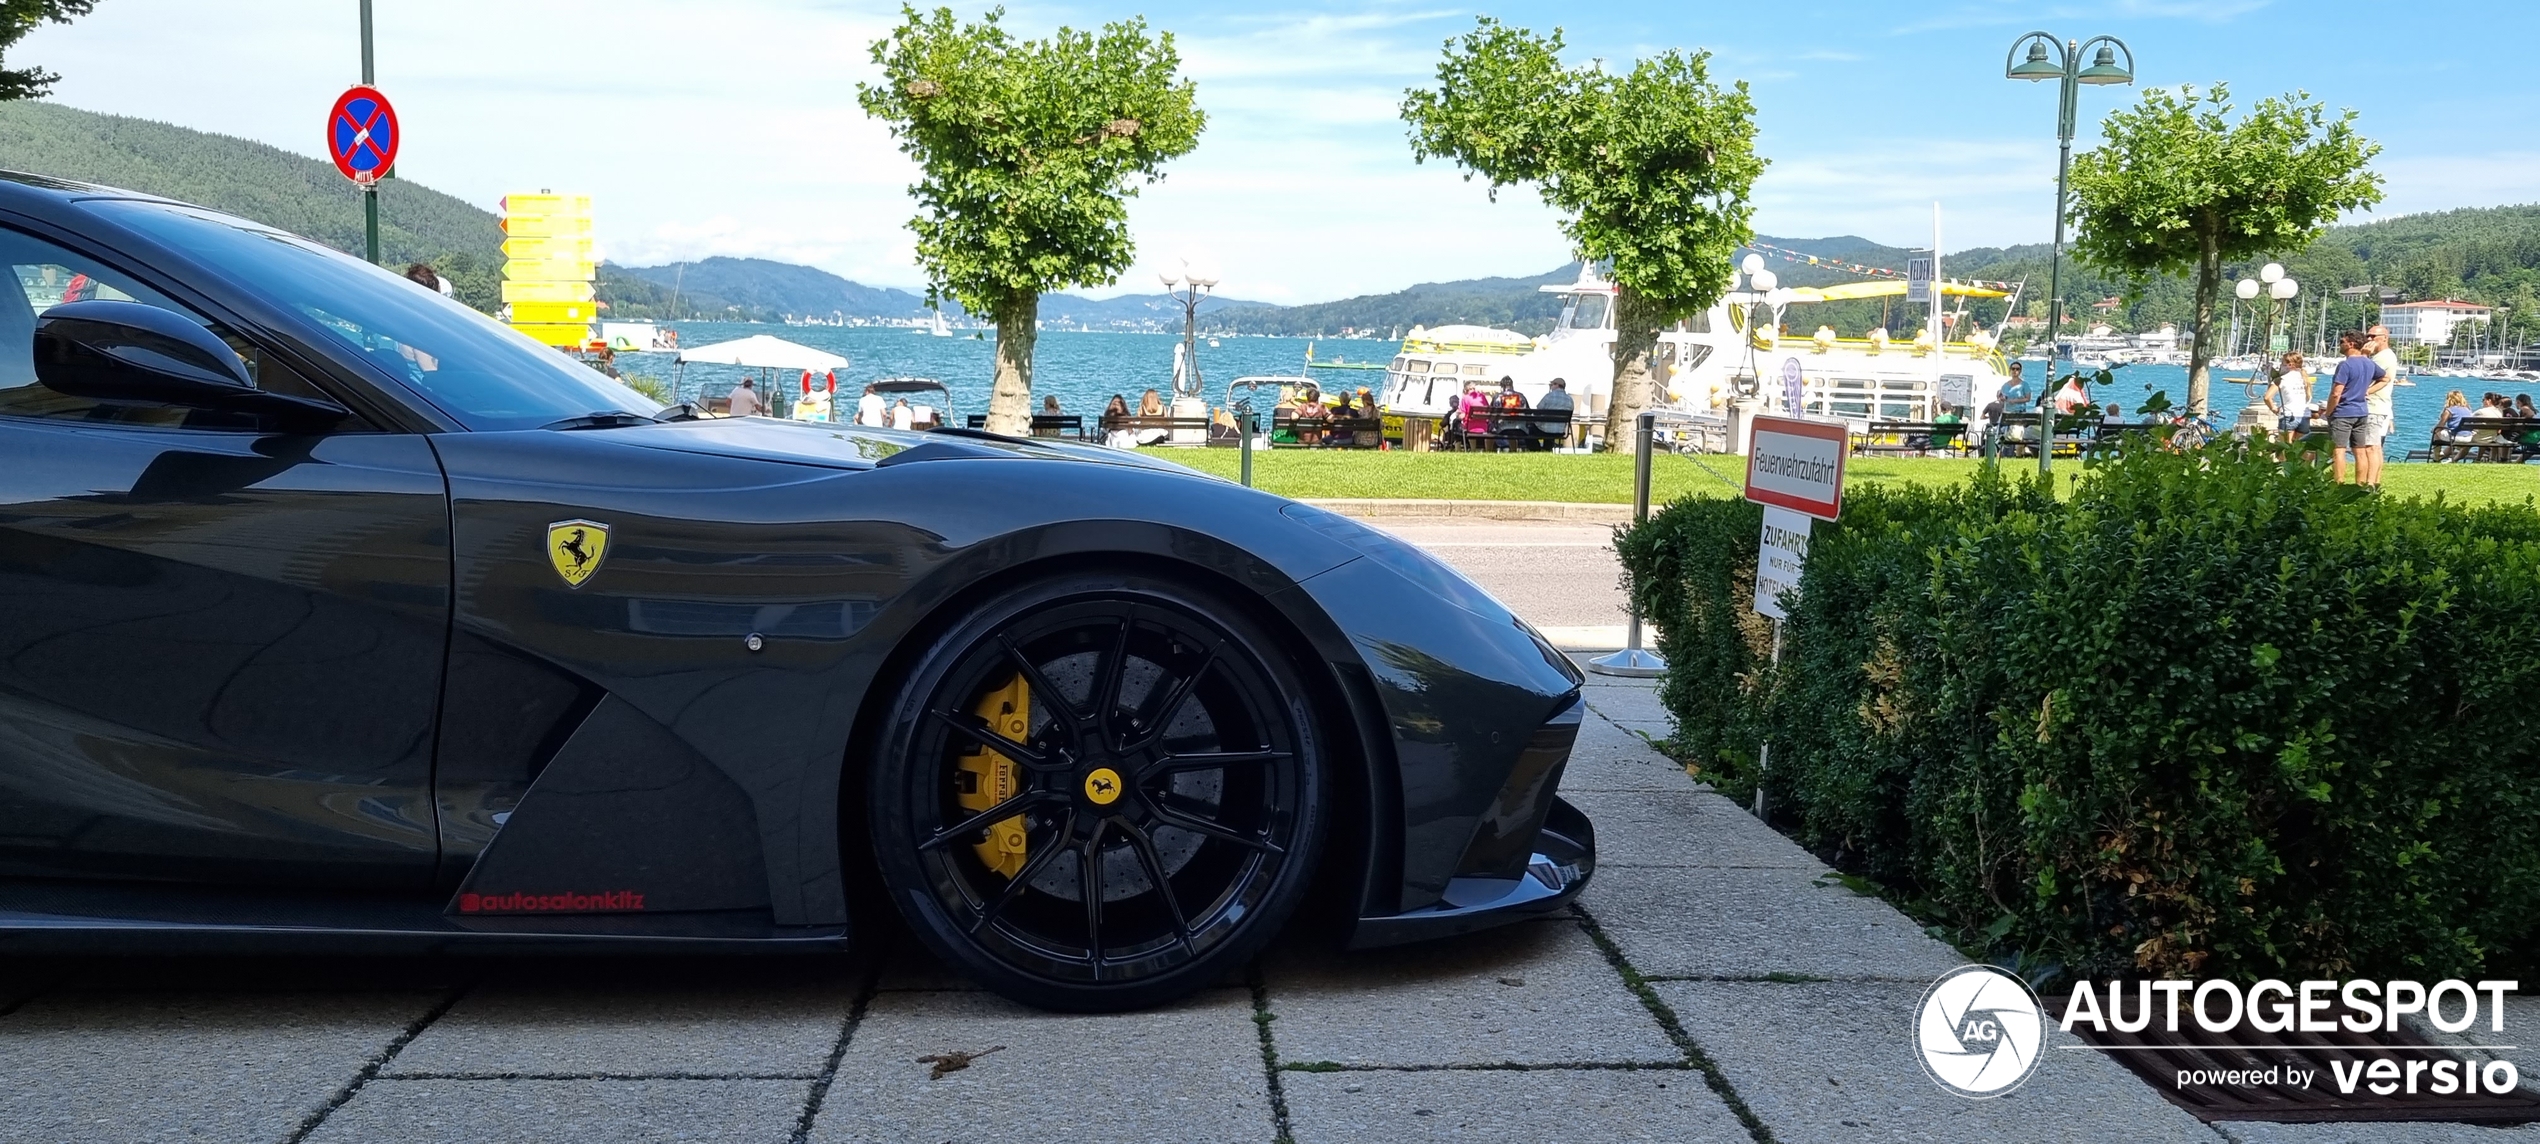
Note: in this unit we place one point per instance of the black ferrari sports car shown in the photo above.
(335, 615)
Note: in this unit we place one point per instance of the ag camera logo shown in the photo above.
(1980, 1032)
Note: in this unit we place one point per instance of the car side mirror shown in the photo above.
(128, 351)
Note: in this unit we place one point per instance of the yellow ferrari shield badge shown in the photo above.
(1102, 786)
(576, 548)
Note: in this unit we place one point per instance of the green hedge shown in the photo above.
(2209, 714)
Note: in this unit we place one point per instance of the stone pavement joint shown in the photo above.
(1675, 1029)
(371, 1069)
(819, 1094)
(1261, 1018)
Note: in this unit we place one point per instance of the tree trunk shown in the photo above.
(1635, 368)
(2200, 350)
(1010, 403)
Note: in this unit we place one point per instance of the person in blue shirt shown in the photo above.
(2348, 408)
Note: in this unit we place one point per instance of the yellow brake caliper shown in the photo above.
(984, 777)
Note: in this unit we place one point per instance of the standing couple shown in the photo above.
(2359, 412)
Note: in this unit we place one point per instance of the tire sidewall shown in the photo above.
(899, 784)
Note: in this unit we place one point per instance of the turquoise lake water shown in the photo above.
(1083, 370)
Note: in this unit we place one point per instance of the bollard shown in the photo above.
(1243, 429)
(1633, 661)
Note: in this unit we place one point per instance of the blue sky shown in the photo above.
(731, 128)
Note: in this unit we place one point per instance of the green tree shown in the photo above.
(1028, 152)
(1651, 169)
(2181, 187)
(19, 17)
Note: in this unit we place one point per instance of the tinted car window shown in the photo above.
(473, 368)
(37, 275)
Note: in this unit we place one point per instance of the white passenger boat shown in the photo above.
(1707, 360)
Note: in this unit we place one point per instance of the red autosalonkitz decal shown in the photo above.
(605, 901)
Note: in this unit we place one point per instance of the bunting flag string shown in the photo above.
(1794, 256)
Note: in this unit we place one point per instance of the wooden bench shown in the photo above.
(1189, 430)
(2072, 431)
(1067, 425)
(1911, 437)
(2497, 439)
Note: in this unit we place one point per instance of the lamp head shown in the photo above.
(1751, 264)
(2283, 289)
(2037, 66)
(1170, 279)
(2246, 289)
(2104, 68)
(1762, 281)
(2271, 272)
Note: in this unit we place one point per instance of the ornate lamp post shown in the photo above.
(2278, 289)
(1187, 284)
(2050, 58)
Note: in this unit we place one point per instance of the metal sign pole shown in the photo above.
(1633, 661)
(1764, 752)
(370, 193)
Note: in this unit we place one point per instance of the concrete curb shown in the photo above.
(1389, 508)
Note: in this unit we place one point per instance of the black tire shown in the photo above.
(1150, 677)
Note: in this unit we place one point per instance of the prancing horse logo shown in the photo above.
(1102, 786)
(576, 548)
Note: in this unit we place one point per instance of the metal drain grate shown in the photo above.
(2157, 1056)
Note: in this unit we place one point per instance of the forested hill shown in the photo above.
(273, 186)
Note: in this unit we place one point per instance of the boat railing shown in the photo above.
(1424, 346)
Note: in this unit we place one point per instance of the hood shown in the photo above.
(849, 446)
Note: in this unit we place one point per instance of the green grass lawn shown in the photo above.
(1607, 478)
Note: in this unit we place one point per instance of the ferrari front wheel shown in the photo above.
(1099, 792)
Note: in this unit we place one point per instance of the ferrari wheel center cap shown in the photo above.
(1102, 786)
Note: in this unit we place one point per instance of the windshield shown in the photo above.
(471, 367)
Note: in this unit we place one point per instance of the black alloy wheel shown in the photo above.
(1099, 792)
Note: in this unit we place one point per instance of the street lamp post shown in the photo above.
(2267, 295)
(2051, 58)
(1187, 284)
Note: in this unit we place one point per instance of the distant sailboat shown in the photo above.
(939, 329)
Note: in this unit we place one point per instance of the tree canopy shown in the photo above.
(1651, 169)
(19, 17)
(2180, 187)
(1028, 152)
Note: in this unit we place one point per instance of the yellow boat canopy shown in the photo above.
(1849, 291)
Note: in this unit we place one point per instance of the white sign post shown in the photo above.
(1795, 470)
(1918, 275)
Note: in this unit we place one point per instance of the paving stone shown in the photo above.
(1536, 993)
(562, 1111)
(2379, 1132)
(1685, 827)
(783, 1030)
(1835, 1062)
(1608, 758)
(2522, 1031)
(1536, 1106)
(1190, 1072)
(228, 1067)
(1631, 708)
(1743, 922)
